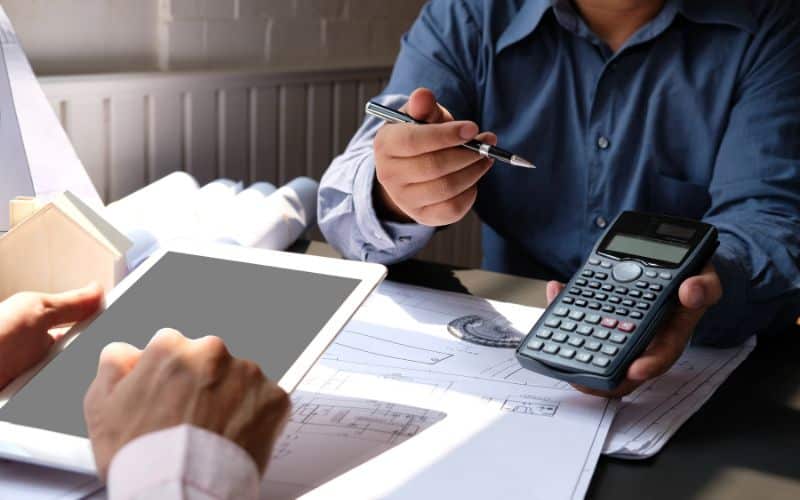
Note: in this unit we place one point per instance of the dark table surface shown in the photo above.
(743, 444)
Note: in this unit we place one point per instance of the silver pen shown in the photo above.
(486, 150)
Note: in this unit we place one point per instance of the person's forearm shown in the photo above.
(347, 212)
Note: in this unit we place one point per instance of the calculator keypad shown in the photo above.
(594, 332)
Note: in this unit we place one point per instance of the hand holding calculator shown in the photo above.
(614, 305)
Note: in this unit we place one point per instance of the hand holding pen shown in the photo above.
(425, 174)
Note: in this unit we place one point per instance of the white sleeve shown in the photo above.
(182, 463)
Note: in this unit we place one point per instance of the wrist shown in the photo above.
(385, 208)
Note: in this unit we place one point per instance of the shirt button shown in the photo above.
(601, 222)
(603, 142)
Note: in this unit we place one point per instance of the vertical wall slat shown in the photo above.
(203, 135)
(167, 140)
(265, 163)
(346, 120)
(319, 142)
(292, 130)
(235, 147)
(128, 145)
(88, 130)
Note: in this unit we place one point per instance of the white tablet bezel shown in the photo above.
(63, 451)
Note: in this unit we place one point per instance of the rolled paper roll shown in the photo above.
(211, 202)
(255, 192)
(279, 220)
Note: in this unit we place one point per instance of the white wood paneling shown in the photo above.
(130, 129)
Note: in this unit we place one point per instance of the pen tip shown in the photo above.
(521, 162)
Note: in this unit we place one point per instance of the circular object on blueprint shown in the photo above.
(486, 332)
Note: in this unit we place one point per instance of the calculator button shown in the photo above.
(649, 296)
(560, 337)
(607, 288)
(594, 262)
(637, 315)
(635, 293)
(594, 305)
(625, 272)
(587, 273)
(581, 282)
(583, 357)
(665, 276)
(642, 284)
(656, 287)
(585, 330)
(568, 300)
(614, 299)
(567, 353)
(593, 319)
(618, 338)
(552, 323)
(569, 326)
(561, 311)
(608, 309)
(575, 291)
(602, 334)
(544, 334)
(601, 276)
(588, 294)
(577, 315)
(621, 290)
(608, 323)
(621, 312)
(581, 303)
(643, 306)
(605, 265)
(610, 350)
(575, 341)
(651, 274)
(551, 349)
(628, 303)
(593, 345)
(595, 284)
(535, 345)
(601, 296)
(601, 362)
(627, 327)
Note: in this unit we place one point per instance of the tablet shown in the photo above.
(278, 309)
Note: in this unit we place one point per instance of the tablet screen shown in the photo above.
(265, 314)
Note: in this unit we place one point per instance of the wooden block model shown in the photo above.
(61, 245)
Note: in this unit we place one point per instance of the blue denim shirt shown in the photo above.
(697, 115)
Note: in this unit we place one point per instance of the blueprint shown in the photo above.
(18, 480)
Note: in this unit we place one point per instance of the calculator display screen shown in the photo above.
(647, 248)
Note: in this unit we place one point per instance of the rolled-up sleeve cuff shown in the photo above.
(386, 238)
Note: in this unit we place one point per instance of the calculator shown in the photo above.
(613, 306)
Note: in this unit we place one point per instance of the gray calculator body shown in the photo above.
(612, 307)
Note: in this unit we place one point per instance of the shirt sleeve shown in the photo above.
(182, 463)
(437, 53)
(755, 191)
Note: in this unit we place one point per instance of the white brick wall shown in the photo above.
(77, 36)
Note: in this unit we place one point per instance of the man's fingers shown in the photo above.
(435, 165)
(404, 140)
(701, 291)
(447, 187)
(116, 361)
(449, 211)
(69, 307)
(552, 290)
(422, 106)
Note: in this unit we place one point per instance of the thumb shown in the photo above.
(552, 291)
(69, 307)
(701, 291)
(422, 106)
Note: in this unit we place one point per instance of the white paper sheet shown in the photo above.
(652, 414)
(498, 418)
(30, 482)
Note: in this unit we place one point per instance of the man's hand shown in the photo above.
(696, 295)
(26, 320)
(422, 174)
(180, 381)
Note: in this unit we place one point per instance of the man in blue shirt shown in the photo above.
(682, 107)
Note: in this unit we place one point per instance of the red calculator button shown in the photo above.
(609, 322)
(627, 327)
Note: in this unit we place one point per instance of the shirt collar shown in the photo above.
(731, 12)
